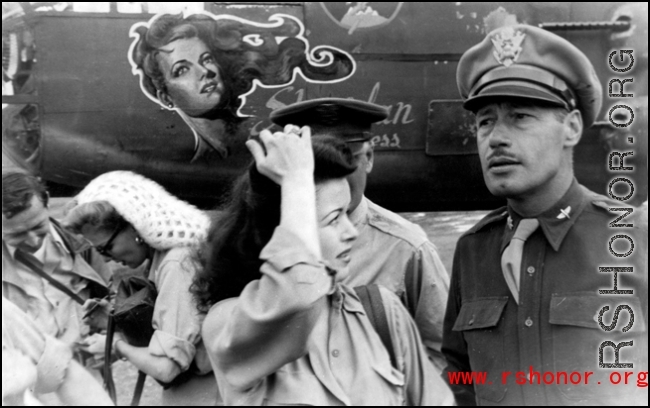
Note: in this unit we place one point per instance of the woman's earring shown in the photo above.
(139, 240)
(170, 105)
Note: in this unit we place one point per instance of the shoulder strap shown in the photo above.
(374, 306)
(109, 384)
(30, 262)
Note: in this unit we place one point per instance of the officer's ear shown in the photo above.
(573, 125)
(370, 157)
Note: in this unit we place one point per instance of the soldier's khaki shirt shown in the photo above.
(395, 253)
(54, 311)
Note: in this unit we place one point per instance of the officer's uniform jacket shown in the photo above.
(555, 326)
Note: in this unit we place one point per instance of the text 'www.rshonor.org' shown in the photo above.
(532, 377)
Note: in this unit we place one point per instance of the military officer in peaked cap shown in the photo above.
(524, 297)
(390, 250)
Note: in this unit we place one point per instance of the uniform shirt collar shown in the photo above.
(346, 298)
(11, 249)
(360, 214)
(57, 239)
(557, 220)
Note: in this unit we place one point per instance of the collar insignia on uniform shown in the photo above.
(510, 223)
(564, 214)
(507, 45)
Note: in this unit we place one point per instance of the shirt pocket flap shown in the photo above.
(480, 314)
(390, 374)
(582, 309)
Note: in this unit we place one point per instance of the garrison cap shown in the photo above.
(347, 119)
(529, 62)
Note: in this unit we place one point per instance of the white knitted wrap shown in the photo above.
(161, 219)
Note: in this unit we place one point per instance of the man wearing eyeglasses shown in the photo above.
(31, 241)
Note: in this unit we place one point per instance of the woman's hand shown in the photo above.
(287, 158)
(95, 312)
(94, 344)
(283, 156)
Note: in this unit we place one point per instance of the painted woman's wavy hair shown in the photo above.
(229, 259)
(240, 57)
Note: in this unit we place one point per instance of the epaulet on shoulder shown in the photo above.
(602, 202)
(494, 216)
(397, 226)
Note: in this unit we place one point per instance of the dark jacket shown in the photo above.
(554, 328)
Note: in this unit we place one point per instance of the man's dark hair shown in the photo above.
(18, 188)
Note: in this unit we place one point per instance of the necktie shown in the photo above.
(511, 258)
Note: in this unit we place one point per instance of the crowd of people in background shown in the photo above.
(300, 290)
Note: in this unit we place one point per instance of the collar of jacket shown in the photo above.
(557, 220)
(73, 243)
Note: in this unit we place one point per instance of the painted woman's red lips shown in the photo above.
(209, 87)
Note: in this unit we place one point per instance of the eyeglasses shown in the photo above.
(105, 249)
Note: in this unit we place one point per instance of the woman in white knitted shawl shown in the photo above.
(132, 220)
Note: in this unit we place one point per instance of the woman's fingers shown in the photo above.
(305, 135)
(292, 129)
(283, 154)
(89, 304)
(256, 150)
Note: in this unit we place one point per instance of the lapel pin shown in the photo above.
(564, 213)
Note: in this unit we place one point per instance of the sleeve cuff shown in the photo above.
(167, 345)
(52, 366)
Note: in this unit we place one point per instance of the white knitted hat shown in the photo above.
(161, 219)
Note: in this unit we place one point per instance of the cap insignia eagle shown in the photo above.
(507, 45)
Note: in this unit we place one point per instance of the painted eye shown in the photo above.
(180, 71)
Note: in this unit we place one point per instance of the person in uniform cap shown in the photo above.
(524, 298)
(390, 250)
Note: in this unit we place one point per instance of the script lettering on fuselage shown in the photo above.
(399, 113)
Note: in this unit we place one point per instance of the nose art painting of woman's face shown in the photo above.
(202, 66)
(191, 76)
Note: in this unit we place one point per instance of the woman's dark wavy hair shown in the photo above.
(229, 259)
(240, 61)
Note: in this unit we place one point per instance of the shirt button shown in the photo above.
(335, 353)
(531, 270)
(528, 322)
(471, 321)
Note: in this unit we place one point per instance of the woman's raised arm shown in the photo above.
(268, 325)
